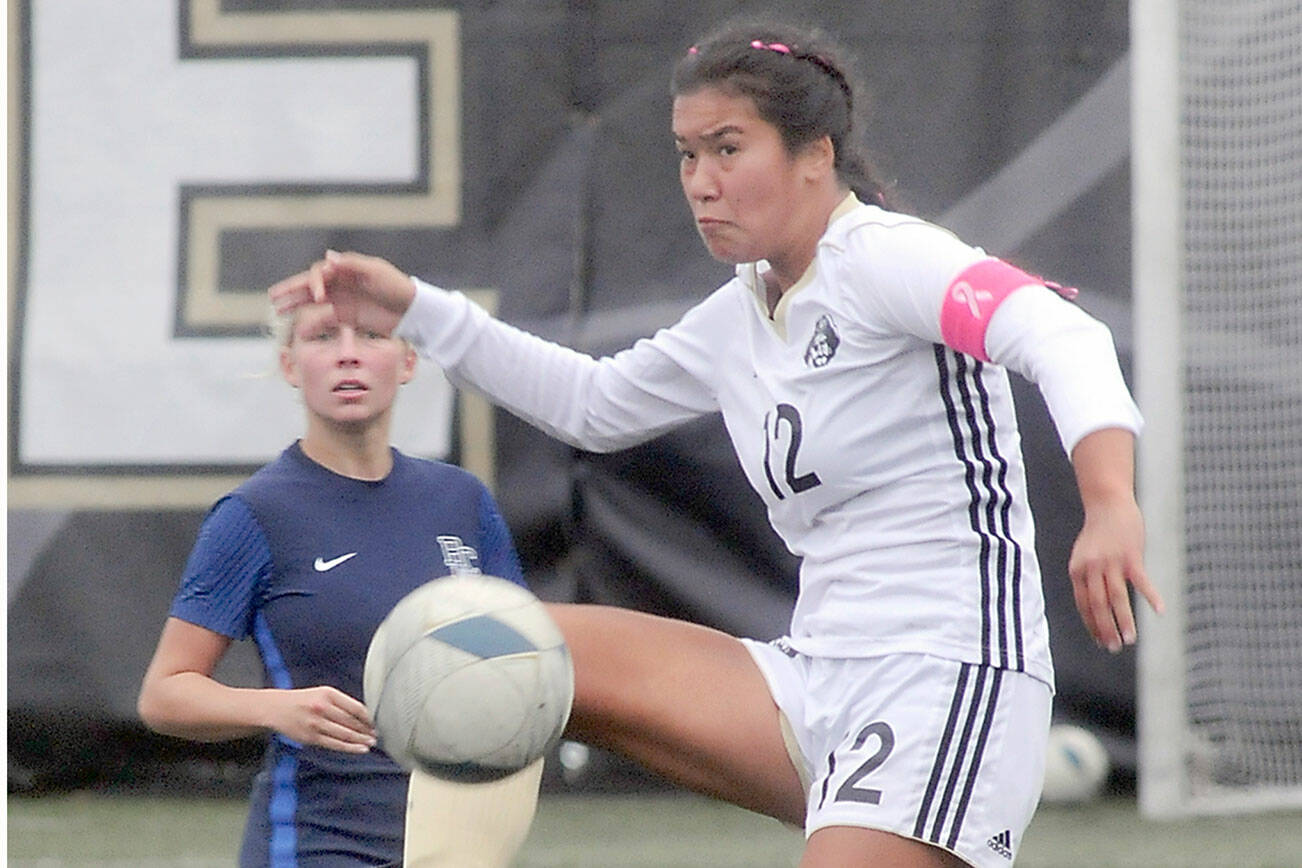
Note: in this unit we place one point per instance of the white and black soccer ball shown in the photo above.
(1076, 767)
(468, 678)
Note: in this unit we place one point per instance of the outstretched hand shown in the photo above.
(355, 284)
(323, 716)
(1107, 559)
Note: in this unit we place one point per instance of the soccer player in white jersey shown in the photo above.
(859, 360)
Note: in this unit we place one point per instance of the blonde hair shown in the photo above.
(278, 327)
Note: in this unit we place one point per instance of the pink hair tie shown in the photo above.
(770, 46)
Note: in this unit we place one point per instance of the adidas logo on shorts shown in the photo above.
(1002, 844)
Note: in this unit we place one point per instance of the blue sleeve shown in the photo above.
(226, 572)
(497, 555)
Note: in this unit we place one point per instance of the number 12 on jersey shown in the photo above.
(773, 425)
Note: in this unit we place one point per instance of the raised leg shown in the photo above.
(685, 701)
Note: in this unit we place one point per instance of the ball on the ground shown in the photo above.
(1076, 767)
(468, 678)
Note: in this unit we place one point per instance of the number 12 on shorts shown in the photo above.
(853, 789)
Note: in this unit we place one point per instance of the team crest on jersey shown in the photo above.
(457, 556)
(822, 346)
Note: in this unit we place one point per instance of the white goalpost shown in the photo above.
(1216, 166)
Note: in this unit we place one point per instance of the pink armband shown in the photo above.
(973, 298)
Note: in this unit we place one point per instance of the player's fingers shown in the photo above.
(1101, 612)
(351, 730)
(316, 281)
(350, 263)
(341, 728)
(330, 711)
(1079, 569)
(1080, 592)
(344, 747)
(353, 709)
(289, 293)
(1146, 588)
(371, 278)
(1119, 603)
(350, 258)
(341, 709)
(342, 738)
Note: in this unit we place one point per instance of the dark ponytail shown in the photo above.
(799, 84)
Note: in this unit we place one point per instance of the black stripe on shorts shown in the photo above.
(958, 756)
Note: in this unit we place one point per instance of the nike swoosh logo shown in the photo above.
(321, 564)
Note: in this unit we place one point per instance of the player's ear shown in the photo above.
(288, 369)
(819, 158)
(407, 367)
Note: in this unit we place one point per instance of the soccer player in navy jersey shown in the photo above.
(306, 558)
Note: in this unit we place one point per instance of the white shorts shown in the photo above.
(941, 751)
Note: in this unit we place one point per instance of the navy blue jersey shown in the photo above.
(307, 563)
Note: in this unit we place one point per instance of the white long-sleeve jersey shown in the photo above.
(889, 461)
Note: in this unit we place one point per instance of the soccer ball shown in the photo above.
(468, 678)
(1076, 767)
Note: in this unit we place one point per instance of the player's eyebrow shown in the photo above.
(714, 135)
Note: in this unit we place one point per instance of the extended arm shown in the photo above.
(1070, 356)
(180, 697)
(600, 405)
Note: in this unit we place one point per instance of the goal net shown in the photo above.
(1217, 197)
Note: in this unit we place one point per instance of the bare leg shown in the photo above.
(685, 701)
(851, 847)
(689, 703)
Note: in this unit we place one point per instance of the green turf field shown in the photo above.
(662, 831)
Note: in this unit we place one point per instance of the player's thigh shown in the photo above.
(850, 847)
(685, 700)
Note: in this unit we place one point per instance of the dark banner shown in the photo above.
(517, 150)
